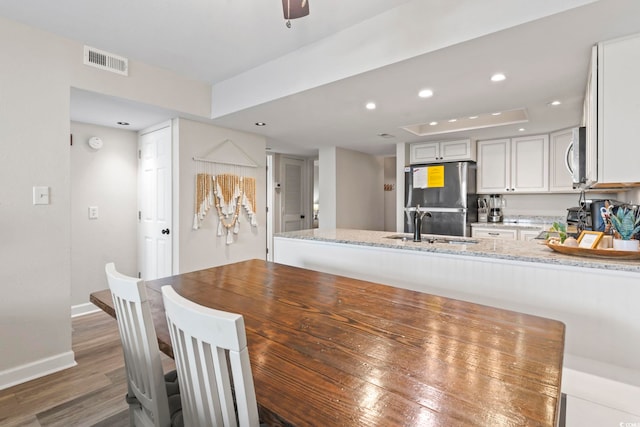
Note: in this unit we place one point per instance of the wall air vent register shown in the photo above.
(106, 61)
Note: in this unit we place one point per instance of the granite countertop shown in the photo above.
(514, 250)
(522, 222)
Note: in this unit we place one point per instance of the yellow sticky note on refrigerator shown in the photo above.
(435, 176)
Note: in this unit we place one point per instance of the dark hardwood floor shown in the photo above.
(89, 394)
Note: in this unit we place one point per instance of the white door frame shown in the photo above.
(269, 198)
(306, 205)
(274, 203)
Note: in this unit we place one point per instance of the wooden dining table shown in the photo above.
(328, 350)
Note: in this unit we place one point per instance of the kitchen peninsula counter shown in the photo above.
(597, 299)
(514, 250)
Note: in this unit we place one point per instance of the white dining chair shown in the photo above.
(212, 360)
(153, 398)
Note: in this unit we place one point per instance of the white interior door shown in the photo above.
(155, 201)
(293, 211)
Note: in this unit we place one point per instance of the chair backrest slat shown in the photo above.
(143, 364)
(212, 359)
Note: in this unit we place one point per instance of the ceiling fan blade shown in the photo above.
(295, 8)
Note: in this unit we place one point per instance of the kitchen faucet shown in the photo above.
(417, 223)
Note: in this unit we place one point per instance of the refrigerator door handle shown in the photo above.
(427, 209)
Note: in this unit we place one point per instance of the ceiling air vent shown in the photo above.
(106, 61)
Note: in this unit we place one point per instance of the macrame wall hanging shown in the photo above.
(224, 183)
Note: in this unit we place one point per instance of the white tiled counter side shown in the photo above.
(597, 299)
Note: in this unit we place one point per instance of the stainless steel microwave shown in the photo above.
(580, 159)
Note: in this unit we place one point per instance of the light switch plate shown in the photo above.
(40, 195)
(93, 212)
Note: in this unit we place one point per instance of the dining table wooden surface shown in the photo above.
(328, 350)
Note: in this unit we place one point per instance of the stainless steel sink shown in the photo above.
(435, 239)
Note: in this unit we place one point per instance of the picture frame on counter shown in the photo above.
(589, 239)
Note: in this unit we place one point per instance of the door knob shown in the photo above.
(165, 231)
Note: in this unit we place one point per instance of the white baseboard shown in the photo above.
(82, 309)
(39, 368)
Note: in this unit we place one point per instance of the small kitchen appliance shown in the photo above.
(579, 218)
(496, 203)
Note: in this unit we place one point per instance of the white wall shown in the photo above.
(107, 179)
(390, 208)
(359, 190)
(351, 189)
(631, 196)
(539, 204)
(38, 72)
(202, 248)
(553, 204)
(328, 185)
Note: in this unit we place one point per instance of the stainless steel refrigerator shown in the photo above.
(447, 191)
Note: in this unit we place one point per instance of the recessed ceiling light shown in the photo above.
(453, 120)
(123, 123)
(261, 124)
(473, 117)
(498, 77)
(496, 114)
(433, 123)
(425, 93)
(371, 106)
(555, 103)
(521, 130)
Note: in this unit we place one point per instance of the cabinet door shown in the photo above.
(618, 110)
(530, 164)
(494, 172)
(424, 152)
(494, 233)
(457, 150)
(590, 119)
(560, 180)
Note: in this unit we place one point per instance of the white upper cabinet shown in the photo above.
(530, 164)
(494, 166)
(445, 151)
(618, 110)
(560, 179)
(516, 165)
